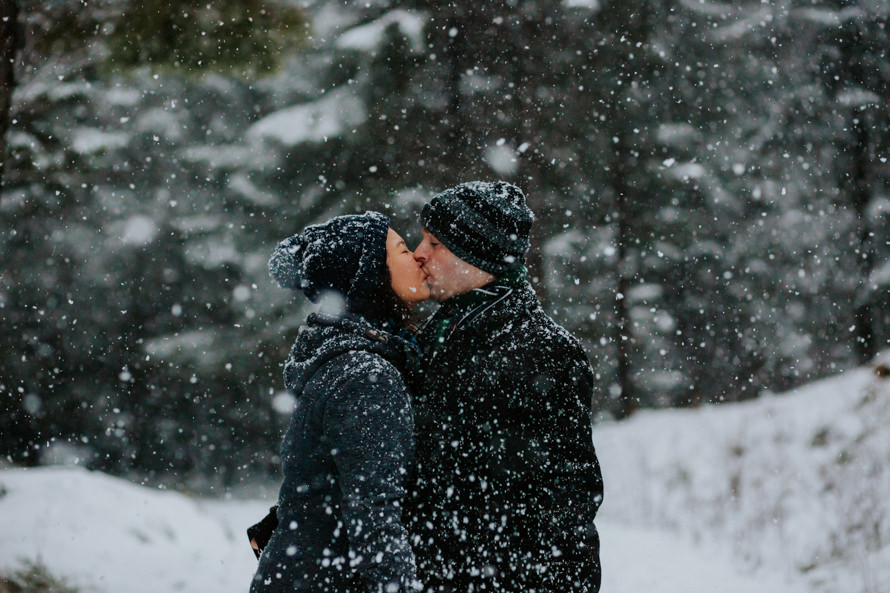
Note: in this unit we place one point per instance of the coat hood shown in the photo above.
(325, 337)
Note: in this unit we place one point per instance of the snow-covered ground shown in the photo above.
(796, 485)
(785, 494)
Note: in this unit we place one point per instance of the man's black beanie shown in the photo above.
(486, 224)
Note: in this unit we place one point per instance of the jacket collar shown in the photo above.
(325, 337)
(503, 294)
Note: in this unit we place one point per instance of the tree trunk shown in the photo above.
(866, 348)
(8, 43)
(860, 196)
(456, 131)
(628, 399)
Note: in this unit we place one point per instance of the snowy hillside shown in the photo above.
(797, 483)
(785, 494)
(111, 536)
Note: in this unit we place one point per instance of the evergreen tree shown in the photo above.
(709, 183)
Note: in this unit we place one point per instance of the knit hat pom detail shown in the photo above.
(345, 255)
(286, 263)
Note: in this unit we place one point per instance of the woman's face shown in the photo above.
(408, 279)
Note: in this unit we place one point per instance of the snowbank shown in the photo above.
(106, 534)
(796, 482)
(784, 494)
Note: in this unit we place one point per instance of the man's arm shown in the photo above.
(544, 447)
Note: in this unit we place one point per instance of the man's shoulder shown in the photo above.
(514, 320)
(528, 332)
(534, 324)
(538, 332)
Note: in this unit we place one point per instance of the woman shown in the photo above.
(350, 439)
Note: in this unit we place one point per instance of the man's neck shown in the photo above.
(471, 280)
(513, 278)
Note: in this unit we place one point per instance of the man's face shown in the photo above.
(447, 274)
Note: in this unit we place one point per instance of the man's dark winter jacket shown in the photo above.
(344, 459)
(507, 482)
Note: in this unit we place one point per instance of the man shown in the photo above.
(507, 483)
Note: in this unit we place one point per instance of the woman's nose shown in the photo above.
(420, 253)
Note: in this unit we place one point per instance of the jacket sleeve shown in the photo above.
(545, 444)
(369, 423)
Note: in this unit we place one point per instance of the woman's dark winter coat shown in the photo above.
(344, 459)
(508, 482)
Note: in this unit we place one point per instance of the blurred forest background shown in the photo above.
(710, 181)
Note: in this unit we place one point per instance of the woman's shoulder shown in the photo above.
(361, 367)
(352, 348)
(363, 362)
(358, 381)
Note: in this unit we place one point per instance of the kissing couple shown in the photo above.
(454, 458)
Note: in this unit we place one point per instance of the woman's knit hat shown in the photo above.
(486, 224)
(344, 254)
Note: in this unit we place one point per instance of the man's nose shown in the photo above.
(420, 253)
